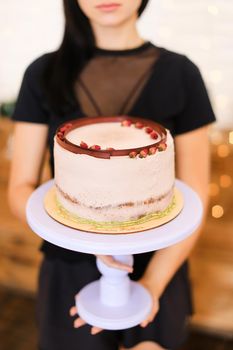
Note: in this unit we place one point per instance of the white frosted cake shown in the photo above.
(113, 168)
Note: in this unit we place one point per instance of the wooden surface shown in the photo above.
(211, 261)
(19, 255)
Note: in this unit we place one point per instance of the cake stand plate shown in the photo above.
(114, 302)
(147, 222)
(139, 242)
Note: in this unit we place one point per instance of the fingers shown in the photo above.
(95, 330)
(151, 316)
(73, 311)
(111, 262)
(79, 322)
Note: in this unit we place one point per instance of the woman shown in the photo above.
(104, 67)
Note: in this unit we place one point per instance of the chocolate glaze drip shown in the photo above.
(65, 128)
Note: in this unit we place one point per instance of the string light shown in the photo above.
(217, 211)
(213, 10)
(231, 137)
(223, 151)
(225, 181)
(216, 137)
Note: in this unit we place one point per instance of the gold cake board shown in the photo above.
(146, 222)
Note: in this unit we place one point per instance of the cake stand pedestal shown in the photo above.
(114, 302)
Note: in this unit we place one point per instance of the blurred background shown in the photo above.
(202, 30)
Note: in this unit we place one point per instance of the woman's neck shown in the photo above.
(121, 37)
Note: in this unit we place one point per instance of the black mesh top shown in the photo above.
(147, 81)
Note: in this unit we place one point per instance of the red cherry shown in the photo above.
(68, 125)
(95, 147)
(60, 135)
(63, 129)
(154, 135)
(148, 130)
(143, 153)
(133, 154)
(139, 125)
(152, 150)
(83, 144)
(162, 147)
(126, 122)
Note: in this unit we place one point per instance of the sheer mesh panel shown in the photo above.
(111, 82)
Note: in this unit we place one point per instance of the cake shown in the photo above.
(113, 168)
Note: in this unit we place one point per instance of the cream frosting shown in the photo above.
(110, 135)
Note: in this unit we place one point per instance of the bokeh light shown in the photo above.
(217, 211)
(216, 137)
(223, 151)
(225, 180)
(213, 10)
(231, 137)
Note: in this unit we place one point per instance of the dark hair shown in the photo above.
(66, 63)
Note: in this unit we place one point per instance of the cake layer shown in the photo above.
(121, 212)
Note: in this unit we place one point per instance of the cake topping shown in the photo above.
(143, 138)
(152, 150)
(83, 144)
(60, 135)
(154, 135)
(143, 153)
(139, 125)
(133, 154)
(148, 130)
(95, 147)
(162, 146)
(126, 122)
(65, 127)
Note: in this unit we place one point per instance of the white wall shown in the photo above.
(28, 28)
(201, 29)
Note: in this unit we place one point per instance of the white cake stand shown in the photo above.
(114, 302)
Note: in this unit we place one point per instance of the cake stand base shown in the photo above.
(95, 313)
(114, 301)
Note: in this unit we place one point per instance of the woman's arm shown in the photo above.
(192, 167)
(29, 145)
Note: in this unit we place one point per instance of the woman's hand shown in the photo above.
(78, 322)
(155, 300)
(143, 281)
(155, 308)
(110, 262)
